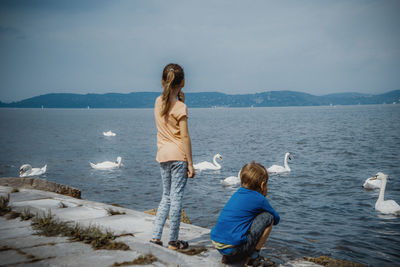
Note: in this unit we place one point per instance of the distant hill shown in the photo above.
(206, 99)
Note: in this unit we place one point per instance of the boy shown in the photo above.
(246, 220)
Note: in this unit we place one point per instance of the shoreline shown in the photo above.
(20, 243)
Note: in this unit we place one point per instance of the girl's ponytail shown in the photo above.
(172, 77)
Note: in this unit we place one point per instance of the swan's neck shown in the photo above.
(382, 191)
(215, 161)
(285, 163)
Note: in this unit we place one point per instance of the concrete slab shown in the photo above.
(9, 257)
(79, 213)
(19, 232)
(30, 241)
(94, 258)
(24, 195)
(58, 251)
(11, 224)
(33, 264)
(43, 204)
(120, 224)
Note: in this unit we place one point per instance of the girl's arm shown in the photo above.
(187, 145)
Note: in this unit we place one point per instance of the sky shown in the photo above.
(235, 47)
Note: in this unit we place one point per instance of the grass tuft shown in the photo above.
(4, 207)
(15, 190)
(49, 226)
(193, 251)
(112, 212)
(26, 215)
(141, 260)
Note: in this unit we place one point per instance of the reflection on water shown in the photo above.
(324, 209)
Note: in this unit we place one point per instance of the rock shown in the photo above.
(326, 261)
(40, 184)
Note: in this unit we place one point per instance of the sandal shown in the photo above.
(157, 242)
(178, 244)
(260, 261)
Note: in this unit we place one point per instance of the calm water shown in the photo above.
(324, 209)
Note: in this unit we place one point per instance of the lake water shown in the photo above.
(324, 209)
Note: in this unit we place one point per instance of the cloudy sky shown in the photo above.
(318, 47)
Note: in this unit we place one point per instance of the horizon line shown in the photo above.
(200, 93)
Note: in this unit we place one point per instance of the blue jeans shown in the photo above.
(256, 230)
(174, 177)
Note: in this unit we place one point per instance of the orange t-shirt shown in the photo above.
(169, 142)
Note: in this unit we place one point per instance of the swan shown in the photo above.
(107, 165)
(372, 182)
(205, 165)
(385, 206)
(231, 180)
(109, 133)
(280, 169)
(27, 170)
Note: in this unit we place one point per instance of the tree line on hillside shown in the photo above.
(203, 100)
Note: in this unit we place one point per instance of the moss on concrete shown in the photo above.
(47, 225)
(4, 207)
(141, 260)
(329, 262)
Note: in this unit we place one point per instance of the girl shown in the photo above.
(174, 153)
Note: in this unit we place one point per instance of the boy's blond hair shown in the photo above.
(252, 175)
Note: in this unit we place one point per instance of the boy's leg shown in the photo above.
(179, 179)
(256, 253)
(256, 236)
(263, 222)
(263, 238)
(163, 208)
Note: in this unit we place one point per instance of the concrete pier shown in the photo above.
(21, 246)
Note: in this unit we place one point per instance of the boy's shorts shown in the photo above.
(257, 228)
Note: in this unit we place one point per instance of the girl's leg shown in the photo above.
(163, 208)
(179, 179)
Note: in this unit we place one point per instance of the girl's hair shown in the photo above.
(171, 78)
(252, 175)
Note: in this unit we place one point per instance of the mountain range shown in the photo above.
(203, 100)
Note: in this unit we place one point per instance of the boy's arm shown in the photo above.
(269, 209)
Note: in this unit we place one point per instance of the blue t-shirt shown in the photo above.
(238, 214)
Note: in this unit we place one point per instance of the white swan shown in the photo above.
(231, 180)
(27, 170)
(205, 165)
(372, 182)
(107, 165)
(109, 133)
(280, 169)
(382, 205)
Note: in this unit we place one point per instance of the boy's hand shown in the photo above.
(191, 171)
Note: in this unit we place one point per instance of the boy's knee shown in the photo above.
(264, 218)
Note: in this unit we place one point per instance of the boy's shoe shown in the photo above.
(225, 260)
(260, 261)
